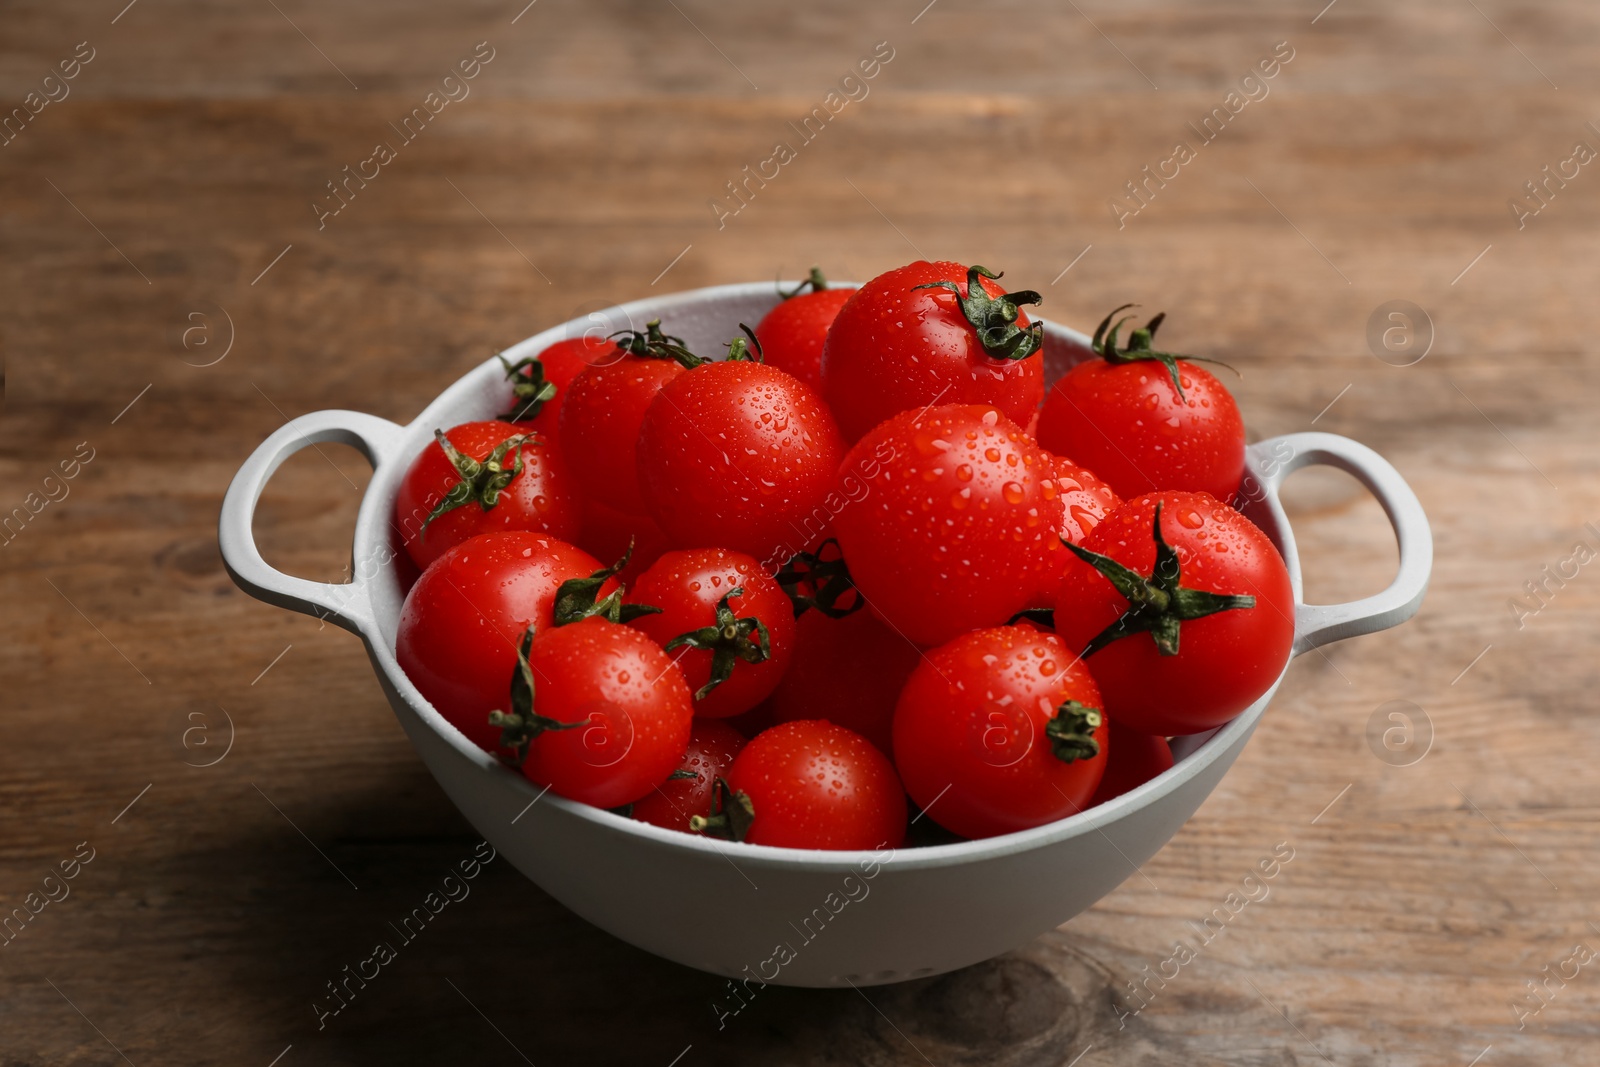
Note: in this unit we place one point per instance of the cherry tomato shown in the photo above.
(496, 476)
(604, 408)
(461, 621)
(1145, 420)
(1085, 500)
(809, 784)
(954, 530)
(539, 384)
(737, 454)
(1215, 621)
(1135, 758)
(687, 792)
(607, 533)
(598, 712)
(734, 624)
(848, 671)
(792, 333)
(919, 335)
(1000, 730)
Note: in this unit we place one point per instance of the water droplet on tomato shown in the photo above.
(1013, 492)
(1191, 518)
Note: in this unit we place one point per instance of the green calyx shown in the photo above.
(828, 580)
(730, 640)
(995, 317)
(528, 386)
(1139, 350)
(481, 480)
(521, 725)
(814, 280)
(653, 344)
(750, 352)
(576, 598)
(1157, 605)
(730, 817)
(1071, 731)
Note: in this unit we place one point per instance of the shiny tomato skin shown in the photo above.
(817, 785)
(969, 732)
(600, 422)
(686, 585)
(1225, 661)
(562, 362)
(1127, 424)
(737, 454)
(894, 347)
(1085, 502)
(543, 498)
(633, 700)
(848, 671)
(713, 744)
(462, 620)
(792, 334)
(1135, 758)
(952, 530)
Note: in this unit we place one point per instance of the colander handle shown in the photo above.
(1270, 462)
(345, 604)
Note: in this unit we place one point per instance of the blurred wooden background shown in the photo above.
(158, 214)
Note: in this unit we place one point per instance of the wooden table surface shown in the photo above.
(171, 299)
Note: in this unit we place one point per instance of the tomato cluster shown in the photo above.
(862, 557)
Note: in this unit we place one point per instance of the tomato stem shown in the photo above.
(653, 344)
(739, 349)
(1071, 731)
(529, 386)
(1157, 604)
(1139, 350)
(729, 639)
(828, 580)
(576, 597)
(815, 280)
(522, 724)
(731, 813)
(481, 480)
(995, 317)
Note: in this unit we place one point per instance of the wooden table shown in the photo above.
(171, 300)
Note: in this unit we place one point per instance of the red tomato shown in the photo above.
(1085, 501)
(737, 454)
(734, 624)
(1000, 730)
(604, 408)
(1215, 623)
(793, 332)
(499, 477)
(917, 336)
(461, 622)
(953, 530)
(809, 784)
(1135, 758)
(598, 712)
(539, 384)
(712, 746)
(607, 533)
(848, 671)
(1146, 420)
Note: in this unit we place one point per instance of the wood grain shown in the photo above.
(1421, 899)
